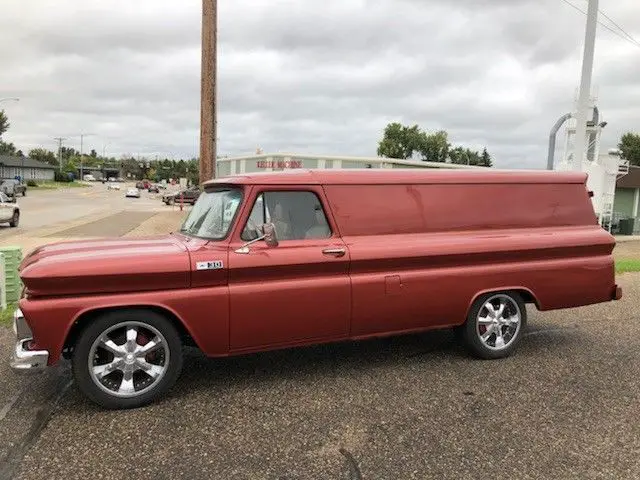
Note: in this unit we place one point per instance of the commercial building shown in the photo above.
(284, 161)
(627, 198)
(25, 168)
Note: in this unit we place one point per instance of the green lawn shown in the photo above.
(6, 316)
(628, 265)
(57, 185)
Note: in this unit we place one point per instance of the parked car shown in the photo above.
(12, 188)
(276, 260)
(9, 211)
(89, 178)
(133, 193)
(113, 186)
(187, 195)
(154, 188)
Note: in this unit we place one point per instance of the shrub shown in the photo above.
(31, 183)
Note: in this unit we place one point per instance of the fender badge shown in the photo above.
(213, 265)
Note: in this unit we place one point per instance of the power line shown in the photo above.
(628, 37)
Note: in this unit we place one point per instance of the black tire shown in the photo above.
(170, 201)
(100, 325)
(24, 192)
(471, 329)
(15, 219)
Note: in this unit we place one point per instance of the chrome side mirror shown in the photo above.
(269, 236)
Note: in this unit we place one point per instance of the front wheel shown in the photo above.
(15, 219)
(495, 324)
(127, 358)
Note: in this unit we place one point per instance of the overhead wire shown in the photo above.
(624, 35)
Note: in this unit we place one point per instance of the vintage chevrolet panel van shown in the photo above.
(277, 260)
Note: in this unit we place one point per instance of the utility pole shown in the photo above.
(208, 100)
(585, 85)
(60, 140)
(82, 135)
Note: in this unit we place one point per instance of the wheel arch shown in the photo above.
(527, 295)
(83, 319)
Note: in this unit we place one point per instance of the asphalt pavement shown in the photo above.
(42, 209)
(565, 406)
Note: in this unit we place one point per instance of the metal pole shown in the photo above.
(585, 85)
(208, 106)
(81, 171)
(60, 139)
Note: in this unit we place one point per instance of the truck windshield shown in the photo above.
(213, 213)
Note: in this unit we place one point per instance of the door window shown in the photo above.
(295, 215)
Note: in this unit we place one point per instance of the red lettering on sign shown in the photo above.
(279, 164)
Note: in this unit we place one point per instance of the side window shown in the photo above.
(296, 216)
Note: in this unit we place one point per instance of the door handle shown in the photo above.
(336, 252)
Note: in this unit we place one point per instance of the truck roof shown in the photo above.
(398, 176)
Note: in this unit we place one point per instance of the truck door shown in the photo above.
(298, 291)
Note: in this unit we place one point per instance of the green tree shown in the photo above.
(4, 122)
(43, 155)
(485, 158)
(630, 147)
(434, 147)
(7, 148)
(399, 141)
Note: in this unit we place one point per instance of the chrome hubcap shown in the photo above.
(498, 322)
(128, 359)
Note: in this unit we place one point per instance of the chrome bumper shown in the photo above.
(23, 359)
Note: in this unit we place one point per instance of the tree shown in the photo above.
(7, 148)
(630, 147)
(93, 153)
(43, 155)
(4, 122)
(399, 141)
(434, 147)
(19, 154)
(485, 158)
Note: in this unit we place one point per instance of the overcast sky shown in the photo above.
(310, 76)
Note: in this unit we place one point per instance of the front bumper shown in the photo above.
(24, 359)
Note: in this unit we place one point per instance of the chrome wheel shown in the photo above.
(128, 359)
(498, 322)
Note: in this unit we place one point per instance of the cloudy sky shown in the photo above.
(309, 76)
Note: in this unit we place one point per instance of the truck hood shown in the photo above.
(106, 266)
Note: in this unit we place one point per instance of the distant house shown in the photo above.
(25, 168)
(627, 198)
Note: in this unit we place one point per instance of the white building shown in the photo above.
(284, 161)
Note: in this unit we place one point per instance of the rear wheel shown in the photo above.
(495, 324)
(127, 358)
(24, 192)
(15, 219)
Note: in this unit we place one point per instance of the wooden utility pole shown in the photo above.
(208, 104)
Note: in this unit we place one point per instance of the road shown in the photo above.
(418, 407)
(48, 208)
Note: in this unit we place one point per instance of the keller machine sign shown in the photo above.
(279, 164)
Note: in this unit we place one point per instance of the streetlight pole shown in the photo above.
(585, 85)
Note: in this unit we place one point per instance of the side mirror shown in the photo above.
(270, 237)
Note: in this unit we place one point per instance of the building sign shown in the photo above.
(279, 164)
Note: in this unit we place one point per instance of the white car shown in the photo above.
(113, 186)
(133, 192)
(9, 211)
